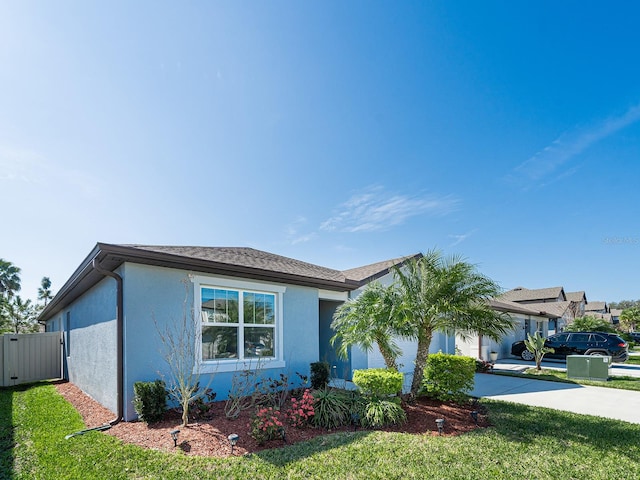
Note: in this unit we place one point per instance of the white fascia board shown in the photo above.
(331, 295)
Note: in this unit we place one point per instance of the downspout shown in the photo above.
(119, 335)
(119, 323)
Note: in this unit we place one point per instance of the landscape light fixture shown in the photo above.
(474, 415)
(440, 425)
(355, 420)
(283, 434)
(233, 440)
(174, 435)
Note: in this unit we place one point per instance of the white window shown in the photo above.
(240, 324)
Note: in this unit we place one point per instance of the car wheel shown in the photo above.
(527, 355)
(597, 354)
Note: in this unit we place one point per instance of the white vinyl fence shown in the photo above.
(30, 357)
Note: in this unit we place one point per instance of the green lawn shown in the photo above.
(524, 442)
(633, 360)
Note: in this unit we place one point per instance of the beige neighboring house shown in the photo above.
(526, 318)
(553, 300)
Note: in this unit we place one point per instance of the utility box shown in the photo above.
(588, 367)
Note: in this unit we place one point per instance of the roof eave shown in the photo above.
(112, 256)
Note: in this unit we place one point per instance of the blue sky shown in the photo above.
(339, 133)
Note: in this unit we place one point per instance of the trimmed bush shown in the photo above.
(378, 382)
(448, 377)
(319, 375)
(150, 400)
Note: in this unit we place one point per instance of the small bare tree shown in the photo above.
(179, 352)
(242, 394)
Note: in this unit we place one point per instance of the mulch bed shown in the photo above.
(207, 436)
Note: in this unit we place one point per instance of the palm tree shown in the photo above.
(44, 292)
(446, 295)
(367, 320)
(9, 278)
(630, 318)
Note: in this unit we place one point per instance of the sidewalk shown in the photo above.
(598, 401)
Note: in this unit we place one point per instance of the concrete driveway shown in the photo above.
(518, 365)
(598, 401)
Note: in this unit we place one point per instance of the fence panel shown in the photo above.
(30, 357)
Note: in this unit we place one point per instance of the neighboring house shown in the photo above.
(615, 315)
(249, 307)
(599, 310)
(580, 302)
(596, 307)
(527, 319)
(538, 295)
(563, 308)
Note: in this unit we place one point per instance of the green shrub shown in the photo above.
(378, 382)
(589, 323)
(448, 377)
(379, 413)
(319, 375)
(150, 400)
(332, 408)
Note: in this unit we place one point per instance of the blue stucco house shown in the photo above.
(247, 304)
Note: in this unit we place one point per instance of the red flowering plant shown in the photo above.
(266, 424)
(301, 410)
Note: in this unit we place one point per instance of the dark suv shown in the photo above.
(579, 343)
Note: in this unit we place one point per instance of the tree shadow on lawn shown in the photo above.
(7, 440)
(525, 424)
(7, 428)
(281, 456)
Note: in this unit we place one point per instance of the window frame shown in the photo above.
(241, 286)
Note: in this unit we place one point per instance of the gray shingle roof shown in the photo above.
(526, 309)
(521, 294)
(557, 309)
(602, 316)
(576, 296)
(233, 261)
(248, 257)
(595, 306)
(375, 270)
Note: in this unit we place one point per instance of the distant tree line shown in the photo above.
(16, 314)
(624, 304)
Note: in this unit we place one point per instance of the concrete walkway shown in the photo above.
(598, 401)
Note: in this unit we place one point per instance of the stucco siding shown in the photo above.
(155, 297)
(90, 343)
(301, 323)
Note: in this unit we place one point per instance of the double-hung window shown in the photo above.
(240, 321)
